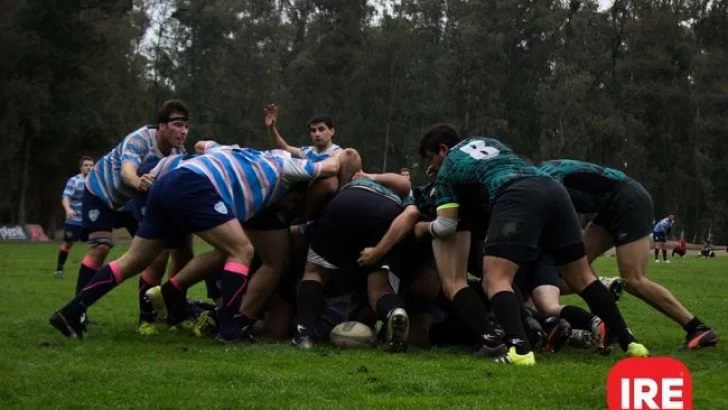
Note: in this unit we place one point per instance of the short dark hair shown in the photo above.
(326, 119)
(169, 107)
(437, 135)
(84, 159)
(404, 169)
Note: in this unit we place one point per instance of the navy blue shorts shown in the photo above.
(98, 217)
(659, 237)
(74, 233)
(182, 203)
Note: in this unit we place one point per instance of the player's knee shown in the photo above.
(99, 247)
(636, 284)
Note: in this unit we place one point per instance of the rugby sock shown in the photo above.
(577, 317)
(106, 279)
(85, 273)
(213, 291)
(62, 256)
(506, 308)
(472, 311)
(601, 303)
(234, 281)
(664, 254)
(146, 310)
(657, 254)
(386, 303)
(692, 326)
(246, 321)
(310, 305)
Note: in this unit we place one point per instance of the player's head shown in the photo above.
(173, 122)
(436, 143)
(404, 172)
(321, 129)
(671, 216)
(85, 164)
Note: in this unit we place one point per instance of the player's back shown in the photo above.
(485, 161)
(590, 186)
(381, 189)
(247, 179)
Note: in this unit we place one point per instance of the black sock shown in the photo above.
(213, 291)
(234, 281)
(657, 254)
(577, 317)
(506, 308)
(602, 304)
(62, 256)
(472, 310)
(310, 306)
(692, 325)
(521, 306)
(387, 303)
(664, 254)
(99, 285)
(146, 310)
(246, 321)
(85, 274)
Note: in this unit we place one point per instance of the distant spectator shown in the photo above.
(681, 248)
(404, 172)
(707, 250)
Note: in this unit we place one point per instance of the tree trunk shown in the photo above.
(24, 179)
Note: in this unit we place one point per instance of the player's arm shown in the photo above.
(398, 230)
(397, 183)
(132, 152)
(68, 192)
(446, 222)
(204, 146)
(271, 118)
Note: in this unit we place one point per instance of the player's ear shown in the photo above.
(443, 149)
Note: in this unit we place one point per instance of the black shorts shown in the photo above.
(628, 216)
(534, 214)
(269, 219)
(354, 219)
(659, 237)
(74, 233)
(534, 274)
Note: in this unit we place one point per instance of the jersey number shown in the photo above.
(478, 150)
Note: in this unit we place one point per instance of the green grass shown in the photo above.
(116, 368)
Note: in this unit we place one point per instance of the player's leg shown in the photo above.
(451, 257)
(142, 251)
(564, 239)
(272, 241)
(98, 222)
(71, 234)
(150, 277)
(311, 298)
(389, 308)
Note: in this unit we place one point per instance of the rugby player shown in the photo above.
(529, 211)
(71, 200)
(624, 212)
(321, 129)
(659, 236)
(351, 226)
(113, 182)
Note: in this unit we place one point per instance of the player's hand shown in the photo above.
(369, 256)
(70, 214)
(145, 182)
(271, 115)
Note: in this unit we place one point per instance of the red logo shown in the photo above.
(656, 383)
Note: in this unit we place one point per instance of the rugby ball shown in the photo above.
(351, 334)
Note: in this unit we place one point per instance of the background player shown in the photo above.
(72, 204)
(321, 129)
(659, 235)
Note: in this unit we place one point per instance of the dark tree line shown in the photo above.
(641, 86)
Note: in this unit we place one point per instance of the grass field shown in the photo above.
(116, 368)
